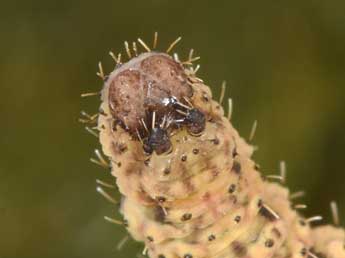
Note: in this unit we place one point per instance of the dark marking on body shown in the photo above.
(102, 112)
(269, 243)
(211, 237)
(232, 188)
(260, 202)
(215, 141)
(276, 232)
(234, 152)
(147, 162)
(159, 213)
(302, 223)
(167, 171)
(237, 219)
(205, 97)
(186, 216)
(215, 172)
(236, 167)
(239, 249)
(119, 147)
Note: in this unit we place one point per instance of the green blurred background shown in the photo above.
(284, 62)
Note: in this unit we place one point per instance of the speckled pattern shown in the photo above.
(202, 196)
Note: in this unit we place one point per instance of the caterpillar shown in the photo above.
(188, 183)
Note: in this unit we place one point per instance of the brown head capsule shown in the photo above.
(144, 85)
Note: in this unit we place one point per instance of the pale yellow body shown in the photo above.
(200, 217)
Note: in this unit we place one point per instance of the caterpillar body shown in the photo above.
(189, 186)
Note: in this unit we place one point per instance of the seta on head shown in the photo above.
(149, 97)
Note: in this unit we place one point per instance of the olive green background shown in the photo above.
(284, 62)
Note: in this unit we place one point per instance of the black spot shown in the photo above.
(205, 97)
(114, 125)
(161, 256)
(147, 162)
(195, 151)
(237, 219)
(260, 203)
(232, 188)
(150, 238)
(239, 249)
(186, 216)
(166, 171)
(234, 153)
(211, 237)
(188, 256)
(183, 157)
(215, 141)
(269, 243)
(236, 167)
(125, 223)
(101, 112)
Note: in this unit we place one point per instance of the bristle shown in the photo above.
(222, 92)
(173, 44)
(155, 40)
(144, 45)
(128, 51)
(100, 73)
(335, 213)
(253, 131)
(106, 195)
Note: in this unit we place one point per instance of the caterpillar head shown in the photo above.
(149, 97)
